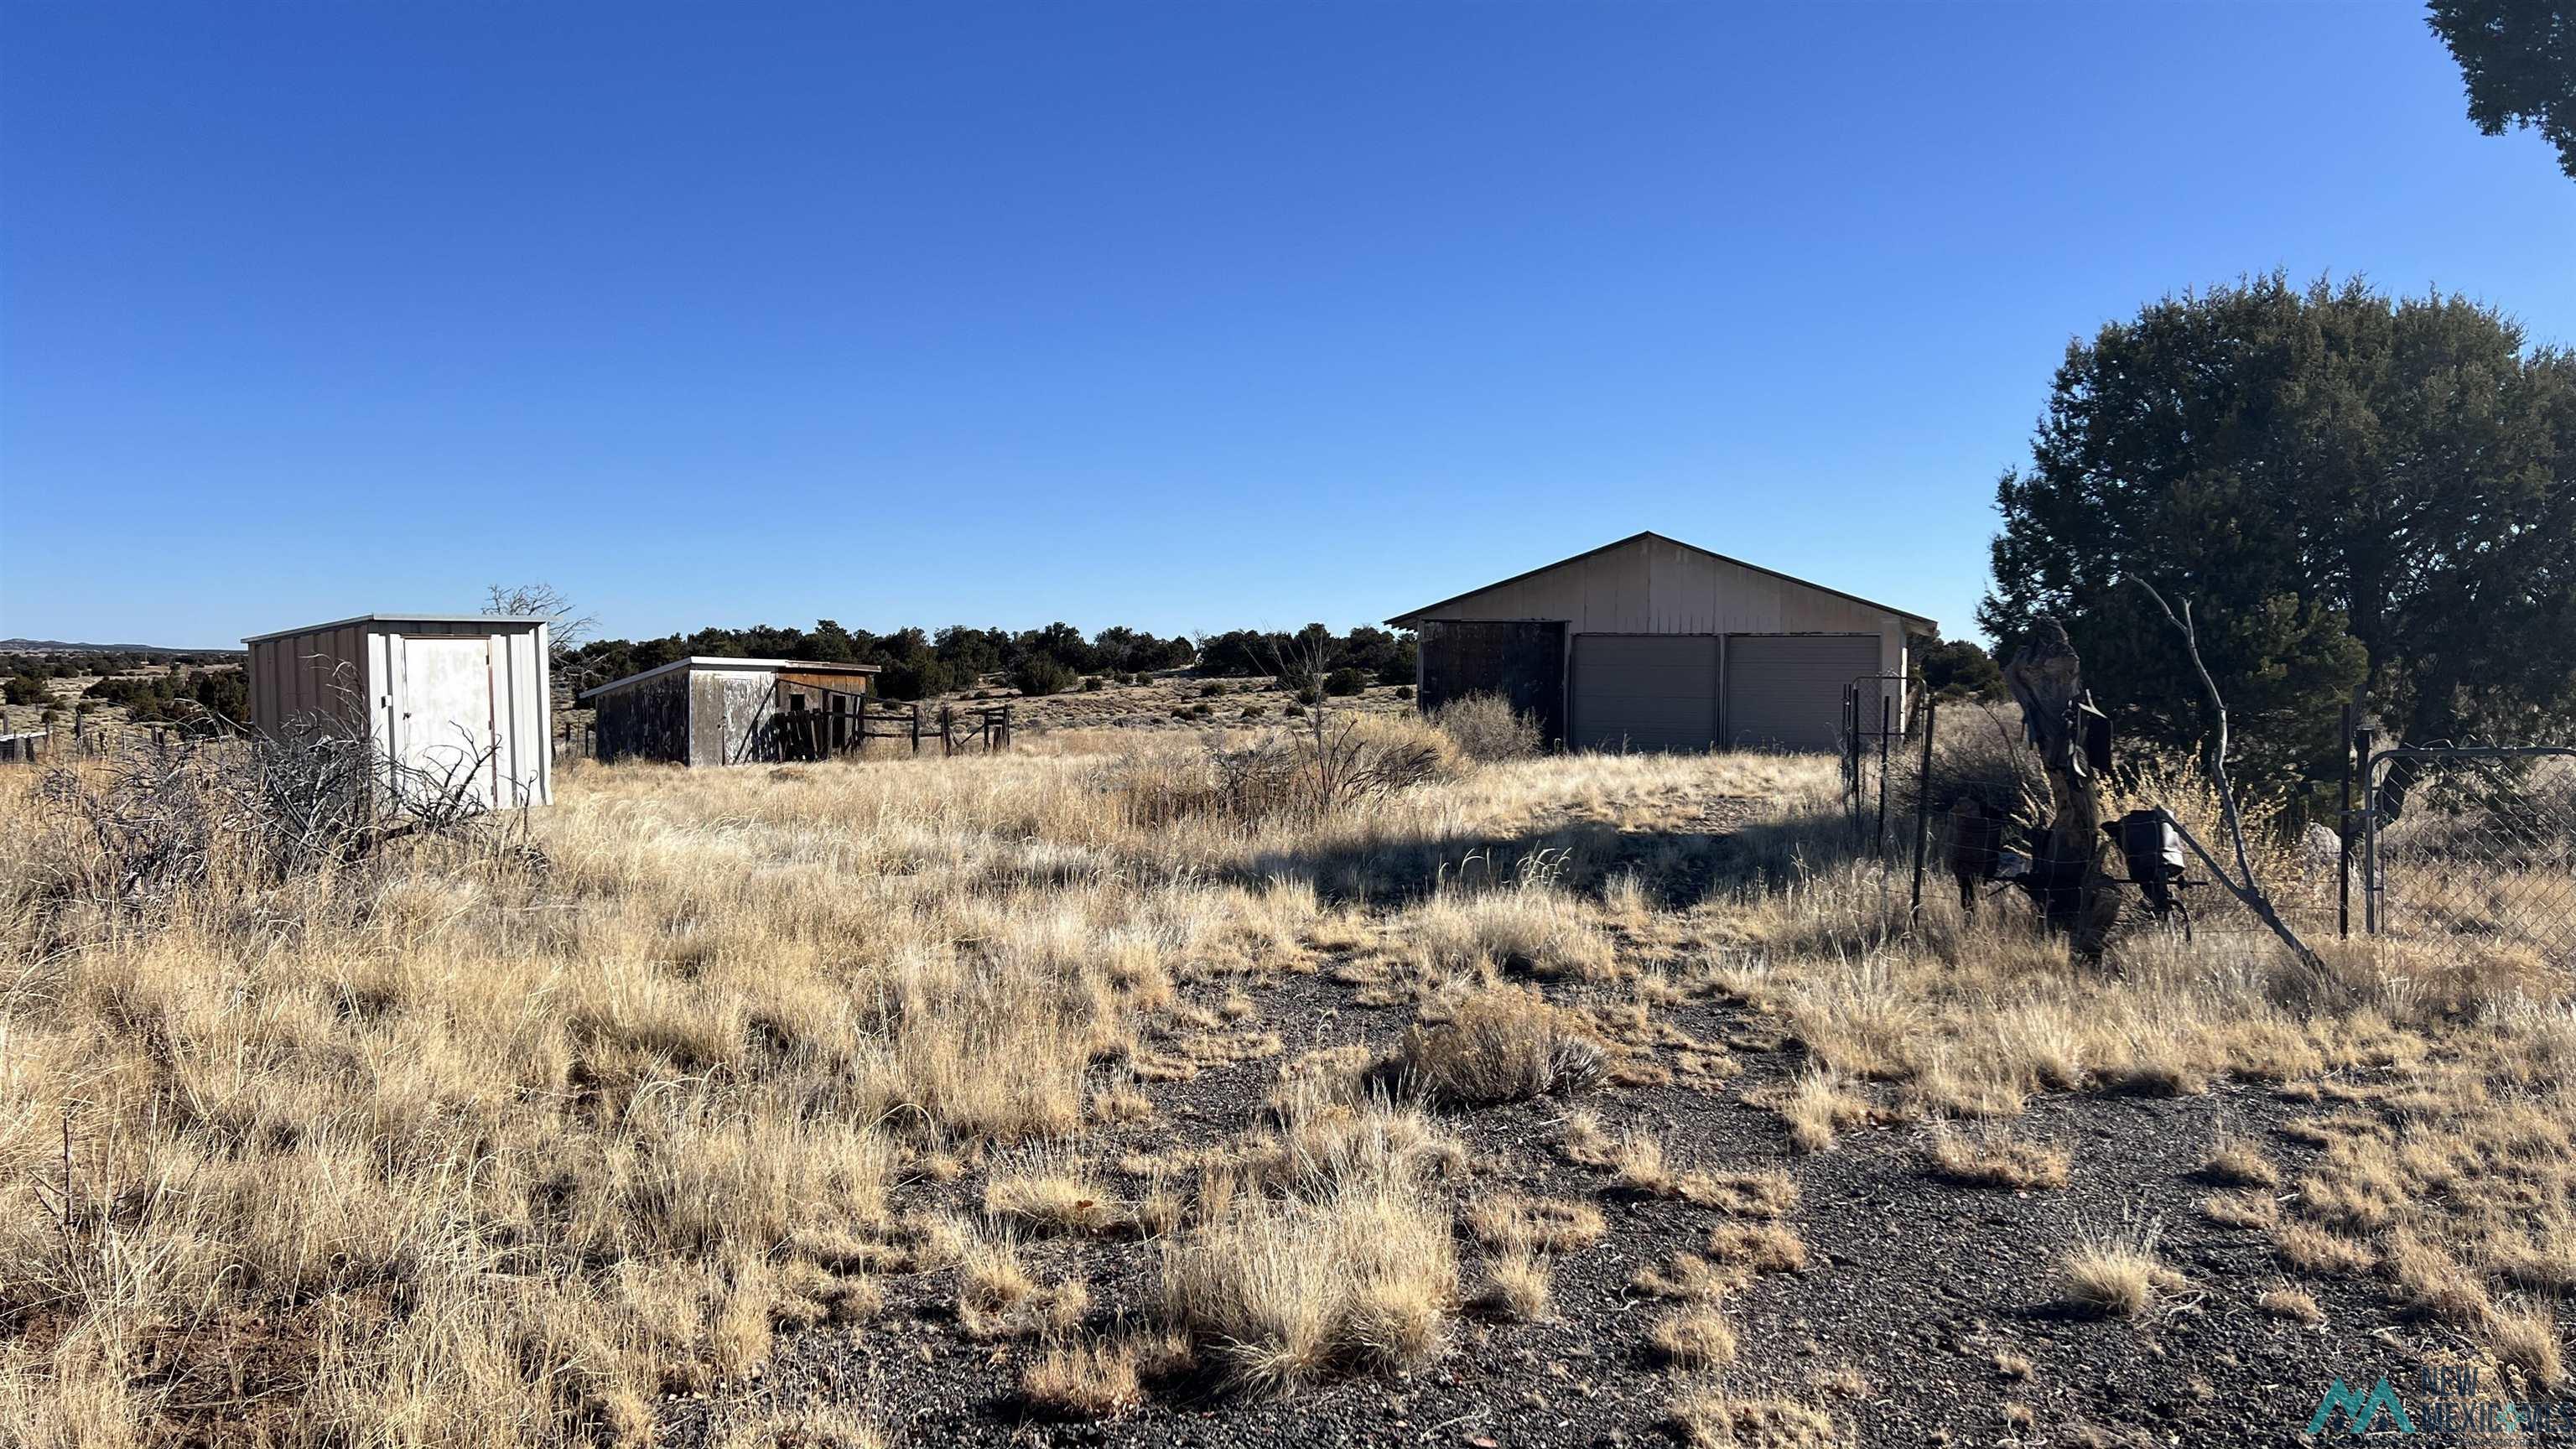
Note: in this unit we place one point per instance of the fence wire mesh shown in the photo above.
(2472, 842)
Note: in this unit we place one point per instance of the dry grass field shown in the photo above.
(1065, 1096)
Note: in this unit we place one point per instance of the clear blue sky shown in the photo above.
(1181, 316)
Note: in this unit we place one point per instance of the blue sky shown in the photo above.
(1180, 316)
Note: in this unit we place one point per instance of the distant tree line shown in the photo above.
(109, 661)
(202, 691)
(201, 700)
(917, 663)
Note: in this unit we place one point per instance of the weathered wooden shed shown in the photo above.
(710, 710)
(446, 700)
(1654, 644)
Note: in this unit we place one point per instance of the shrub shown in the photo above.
(1404, 691)
(1693, 1338)
(2113, 1274)
(1040, 675)
(1290, 774)
(1505, 1044)
(1343, 683)
(1486, 727)
(1211, 690)
(1357, 1268)
(1092, 1381)
(1091, 684)
(1996, 1160)
(918, 677)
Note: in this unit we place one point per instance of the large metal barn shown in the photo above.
(1654, 644)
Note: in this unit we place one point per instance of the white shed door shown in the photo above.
(1785, 691)
(445, 737)
(1645, 692)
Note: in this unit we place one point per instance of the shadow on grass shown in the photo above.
(1675, 869)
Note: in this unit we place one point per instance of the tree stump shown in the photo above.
(2067, 880)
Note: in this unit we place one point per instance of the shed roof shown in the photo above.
(719, 661)
(511, 619)
(1411, 616)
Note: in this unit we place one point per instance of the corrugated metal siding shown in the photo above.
(1655, 586)
(314, 679)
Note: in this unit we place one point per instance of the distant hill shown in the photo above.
(60, 646)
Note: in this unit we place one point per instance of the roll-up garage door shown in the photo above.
(1645, 691)
(1785, 691)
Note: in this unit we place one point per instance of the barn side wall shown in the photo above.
(645, 721)
(729, 716)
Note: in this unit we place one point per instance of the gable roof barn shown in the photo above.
(1649, 643)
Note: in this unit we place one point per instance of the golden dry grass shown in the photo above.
(1711, 1417)
(1693, 1338)
(1089, 1381)
(1501, 1044)
(1284, 1289)
(502, 1145)
(1994, 1159)
(2113, 1272)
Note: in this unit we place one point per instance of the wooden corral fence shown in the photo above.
(97, 741)
(849, 721)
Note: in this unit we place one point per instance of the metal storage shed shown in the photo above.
(457, 701)
(710, 710)
(1654, 644)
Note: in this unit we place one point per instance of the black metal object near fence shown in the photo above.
(2437, 842)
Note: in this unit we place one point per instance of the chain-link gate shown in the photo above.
(2471, 842)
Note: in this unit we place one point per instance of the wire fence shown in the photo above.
(2471, 841)
(2411, 844)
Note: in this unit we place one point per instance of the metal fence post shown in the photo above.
(1923, 808)
(1886, 719)
(1851, 759)
(2362, 741)
(2343, 831)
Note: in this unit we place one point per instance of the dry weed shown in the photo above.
(1505, 1044)
(1996, 1160)
(2113, 1273)
(1713, 1418)
(1097, 1380)
(1693, 1338)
